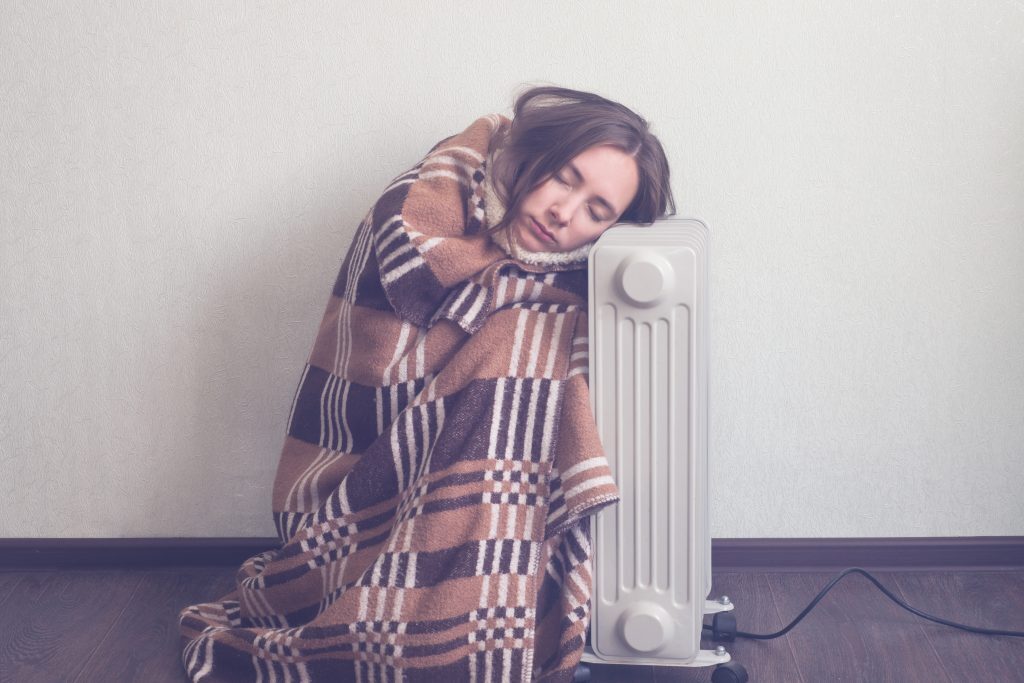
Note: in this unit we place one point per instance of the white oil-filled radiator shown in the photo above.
(649, 390)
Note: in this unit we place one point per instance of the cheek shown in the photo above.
(587, 235)
(540, 197)
(528, 205)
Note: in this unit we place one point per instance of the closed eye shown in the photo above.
(598, 217)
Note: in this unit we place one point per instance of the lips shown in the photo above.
(542, 232)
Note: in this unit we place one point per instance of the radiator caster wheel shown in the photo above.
(730, 672)
(582, 674)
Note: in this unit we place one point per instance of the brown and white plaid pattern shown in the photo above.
(439, 465)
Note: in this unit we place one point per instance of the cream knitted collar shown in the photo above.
(495, 211)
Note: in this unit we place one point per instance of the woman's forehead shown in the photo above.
(609, 173)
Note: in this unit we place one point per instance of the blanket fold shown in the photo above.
(439, 467)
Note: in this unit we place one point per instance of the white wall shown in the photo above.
(178, 183)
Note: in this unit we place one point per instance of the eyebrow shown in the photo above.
(599, 199)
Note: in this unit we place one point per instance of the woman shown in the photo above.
(441, 461)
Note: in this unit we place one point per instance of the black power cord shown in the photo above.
(888, 594)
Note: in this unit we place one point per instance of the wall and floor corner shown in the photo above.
(178, 184)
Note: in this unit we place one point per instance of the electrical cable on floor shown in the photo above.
(888, 594)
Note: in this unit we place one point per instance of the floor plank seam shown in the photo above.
(782, 624)
(12, 589)
(924, 632)
(113, 623)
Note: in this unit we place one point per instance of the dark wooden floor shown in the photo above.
(120, 626)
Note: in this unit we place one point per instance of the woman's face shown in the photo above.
(579, 202)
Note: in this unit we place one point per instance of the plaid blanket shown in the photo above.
(440, 463)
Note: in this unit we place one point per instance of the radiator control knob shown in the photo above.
(646, 626)
(644, 277)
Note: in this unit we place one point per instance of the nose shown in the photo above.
(562, 212)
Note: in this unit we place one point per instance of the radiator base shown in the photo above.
(703, 658)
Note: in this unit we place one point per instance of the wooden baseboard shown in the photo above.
(901, 553)
(727, 554)
(129, 552)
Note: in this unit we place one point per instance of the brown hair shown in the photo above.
(551, 126)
